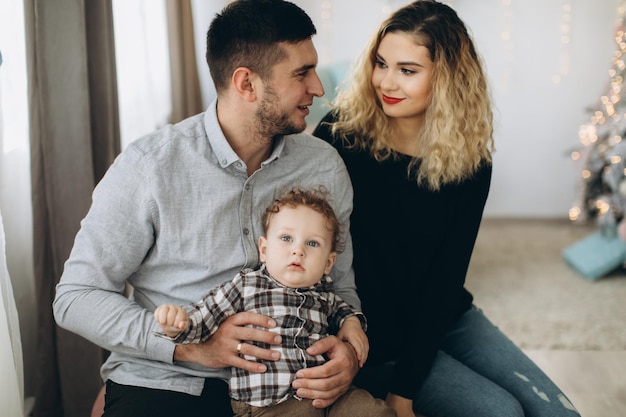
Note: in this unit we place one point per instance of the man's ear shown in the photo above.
(243, 80)
(262, 248)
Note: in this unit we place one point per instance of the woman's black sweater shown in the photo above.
(412, 248)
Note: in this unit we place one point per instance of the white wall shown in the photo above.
(539, 119)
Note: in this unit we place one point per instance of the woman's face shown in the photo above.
(402, 76)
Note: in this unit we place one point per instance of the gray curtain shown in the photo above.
(186, 94)
(74, 131)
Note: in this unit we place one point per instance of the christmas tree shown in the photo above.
(602, 154)
(602, 187)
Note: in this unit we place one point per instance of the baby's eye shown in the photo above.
(313, 243)
(286, 238)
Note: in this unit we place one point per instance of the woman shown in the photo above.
(415, 131)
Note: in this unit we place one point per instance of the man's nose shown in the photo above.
(315, 86)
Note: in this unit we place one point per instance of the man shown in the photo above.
(178, 213)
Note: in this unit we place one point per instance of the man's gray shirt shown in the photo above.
(176, 215)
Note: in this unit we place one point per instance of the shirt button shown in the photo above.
(247, 187)
(246, 231)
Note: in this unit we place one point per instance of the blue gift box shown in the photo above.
(596, 255)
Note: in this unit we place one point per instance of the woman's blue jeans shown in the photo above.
(478, 372)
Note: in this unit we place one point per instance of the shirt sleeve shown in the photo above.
(114, 238)
(342, 272)
(342, 310)
(206, 315)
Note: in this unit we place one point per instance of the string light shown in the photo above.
(574, 213)
(387, 9)
(326, 16)
(506, 35)
(566, 28)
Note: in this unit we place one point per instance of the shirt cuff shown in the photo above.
(359, 315)
(161, 349)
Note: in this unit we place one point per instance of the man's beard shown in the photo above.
(271, 121)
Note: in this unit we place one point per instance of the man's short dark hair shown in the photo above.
(247, 33)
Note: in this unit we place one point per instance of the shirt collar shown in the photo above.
(323, 284)
(223, 151)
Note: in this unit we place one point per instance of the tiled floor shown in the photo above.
(594, 381)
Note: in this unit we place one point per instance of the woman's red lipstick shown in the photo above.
(391, 100)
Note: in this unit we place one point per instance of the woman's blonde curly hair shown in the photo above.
(457, 134)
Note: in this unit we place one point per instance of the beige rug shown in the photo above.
(518, 277)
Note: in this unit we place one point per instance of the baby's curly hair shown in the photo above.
(313, 198)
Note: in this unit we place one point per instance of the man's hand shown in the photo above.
(325, 383)
(220, 350)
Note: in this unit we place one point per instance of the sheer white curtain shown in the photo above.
(143, 75)
(16, 253)
(11, 361)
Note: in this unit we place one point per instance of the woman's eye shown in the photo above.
(407, 71)
(380, 64)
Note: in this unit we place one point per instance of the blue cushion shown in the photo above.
(596, 255)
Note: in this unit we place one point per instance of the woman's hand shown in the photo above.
(225, 347)
(402, 406)
(325, 383)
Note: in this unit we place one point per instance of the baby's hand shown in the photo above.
(172, 319)
(352, 332)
